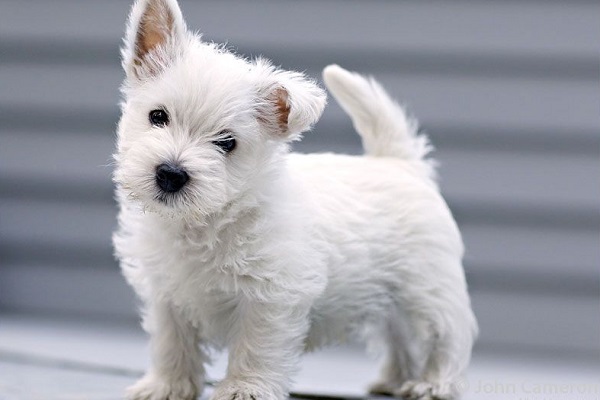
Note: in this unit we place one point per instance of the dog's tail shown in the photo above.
(385, 129)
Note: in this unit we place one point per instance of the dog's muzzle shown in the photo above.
(171, 178)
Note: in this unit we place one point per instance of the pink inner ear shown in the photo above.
(155, 27)
(280, 98)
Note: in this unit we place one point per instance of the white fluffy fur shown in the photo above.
(269, 253)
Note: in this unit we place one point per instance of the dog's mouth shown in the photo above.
(186, 201)
(168, 199)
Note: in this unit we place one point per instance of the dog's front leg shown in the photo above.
(264, 352)
(177, 362)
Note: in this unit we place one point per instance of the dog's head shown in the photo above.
(200, 126)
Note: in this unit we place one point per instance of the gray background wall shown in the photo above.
(507, 90)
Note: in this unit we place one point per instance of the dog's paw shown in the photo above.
(237, 390)
(421, 390)
(151, 387)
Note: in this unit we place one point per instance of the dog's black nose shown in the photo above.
(170, 178)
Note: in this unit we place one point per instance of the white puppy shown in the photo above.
(231, 241)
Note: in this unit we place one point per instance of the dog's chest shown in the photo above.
(201, 270)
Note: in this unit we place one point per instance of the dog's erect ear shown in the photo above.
(155, 33)
(289, 102)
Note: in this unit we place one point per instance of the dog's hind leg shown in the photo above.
(400, 363)
(445, 328)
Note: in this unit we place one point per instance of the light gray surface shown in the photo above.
(508, 91)
(27, 381)
(69, 359)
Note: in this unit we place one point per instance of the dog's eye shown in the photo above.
(226, 142)
(159, 118)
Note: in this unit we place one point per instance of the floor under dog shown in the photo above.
(53, 359)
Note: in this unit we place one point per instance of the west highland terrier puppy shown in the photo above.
(232, 241)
